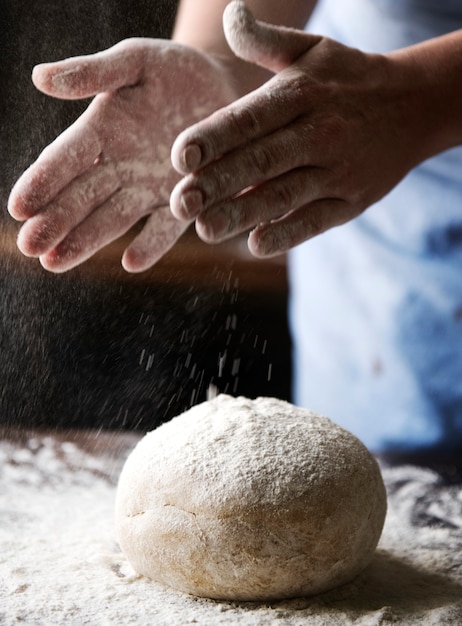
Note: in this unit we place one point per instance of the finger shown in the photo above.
(261, 204)
(44, 231)
(251, 117)
(272, 47)
(250, 165)
(85, 76)
(159, 234)
(277, 237)
(71, 154)
(108, 222)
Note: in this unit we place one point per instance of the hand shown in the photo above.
(112, 167)
(327, 136)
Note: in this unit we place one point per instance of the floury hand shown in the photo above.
(112, 167)
(311, 148)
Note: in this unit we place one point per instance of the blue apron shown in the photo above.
(376, 304)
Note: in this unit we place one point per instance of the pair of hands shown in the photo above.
(308, 150)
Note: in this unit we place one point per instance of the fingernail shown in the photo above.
(192, 157)
(192, 203)
(213, 229)
(263, 244)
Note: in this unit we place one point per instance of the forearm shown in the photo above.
(199, 24)
(432, 71)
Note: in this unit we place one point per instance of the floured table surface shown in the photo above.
(60, 564)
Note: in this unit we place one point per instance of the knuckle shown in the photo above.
(244, 122)
(314, 224)
(216, 185)
(332, 130)
(241, 219)
(292, 237)
(285, 196)
(261, 160)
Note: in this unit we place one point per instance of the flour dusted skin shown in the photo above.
(245, 499)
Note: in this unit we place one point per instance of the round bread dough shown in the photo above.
(245, 499)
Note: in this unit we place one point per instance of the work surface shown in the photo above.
(60, 564)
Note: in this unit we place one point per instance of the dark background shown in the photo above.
(96, 347)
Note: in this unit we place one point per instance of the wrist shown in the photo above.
(428, 75)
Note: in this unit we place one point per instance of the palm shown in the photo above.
(112, 167)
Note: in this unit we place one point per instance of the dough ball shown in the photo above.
(244, 499)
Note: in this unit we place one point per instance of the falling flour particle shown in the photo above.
(250, 500)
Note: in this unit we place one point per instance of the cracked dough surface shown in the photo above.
(250, 500)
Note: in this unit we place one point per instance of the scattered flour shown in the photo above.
(60, 564)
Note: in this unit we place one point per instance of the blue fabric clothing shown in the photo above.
(376, 304)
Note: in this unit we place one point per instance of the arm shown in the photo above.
(434, 69)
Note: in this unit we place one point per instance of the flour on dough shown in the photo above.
(250, 500)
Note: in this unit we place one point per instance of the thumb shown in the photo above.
(272, 47)
(86, 76)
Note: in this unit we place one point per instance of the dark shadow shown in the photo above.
(387, 582)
